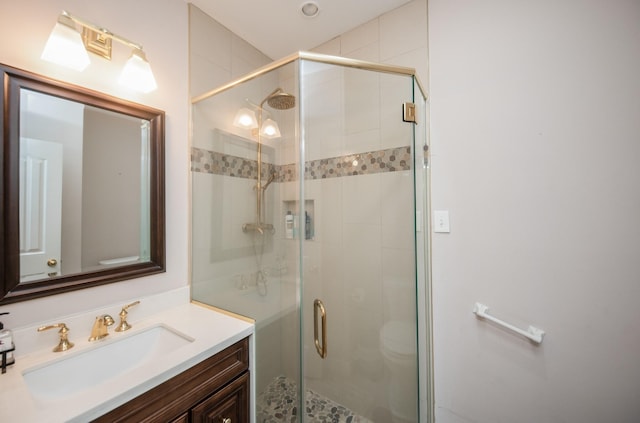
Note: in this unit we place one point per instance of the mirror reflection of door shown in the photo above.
(55, 121)
(101, 218)
(40, 208)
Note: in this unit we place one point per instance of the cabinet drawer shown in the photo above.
(179, 394)
(182, 419)
(229, 405)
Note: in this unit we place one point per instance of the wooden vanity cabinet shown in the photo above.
(215, 390)
(227, 405)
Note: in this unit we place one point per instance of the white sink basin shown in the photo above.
(105, 361)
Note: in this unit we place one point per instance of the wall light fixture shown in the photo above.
(270, 129)
(65, 47)
(245, 118)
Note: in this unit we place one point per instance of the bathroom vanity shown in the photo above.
(216, 389)
(179, 362)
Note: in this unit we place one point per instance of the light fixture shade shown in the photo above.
(270, 129)
(137, 73)
(245, 118)
(64, 46)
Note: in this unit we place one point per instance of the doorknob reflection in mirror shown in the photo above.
(52, 262)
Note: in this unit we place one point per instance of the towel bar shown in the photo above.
(533, 333)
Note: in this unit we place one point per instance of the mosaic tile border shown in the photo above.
(389, 160)
(206, 161)
(367, 163)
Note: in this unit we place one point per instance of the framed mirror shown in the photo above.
(82, 188)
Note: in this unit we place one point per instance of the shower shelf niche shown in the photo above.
(296, 226)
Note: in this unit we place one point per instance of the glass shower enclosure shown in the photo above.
(309, 201)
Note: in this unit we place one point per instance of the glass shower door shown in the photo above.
(312, 232)
(242, 261)
(358, 246)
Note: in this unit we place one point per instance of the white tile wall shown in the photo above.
(403, 30)
(321, 103)
(361, 98)
(359, 38)
(210, 62)
(331, 47)
(361, 199)
(209, 39)
(398, 37)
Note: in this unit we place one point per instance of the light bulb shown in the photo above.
(64, 46)
(270, 129)
(137, 73)
(245, 118)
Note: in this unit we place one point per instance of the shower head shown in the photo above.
(280, 100)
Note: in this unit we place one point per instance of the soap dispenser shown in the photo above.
(288, 225)
(6, 344)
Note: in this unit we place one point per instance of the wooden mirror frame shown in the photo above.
(11, 290)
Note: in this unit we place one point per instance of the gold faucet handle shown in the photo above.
(124, 325)
(64, 343)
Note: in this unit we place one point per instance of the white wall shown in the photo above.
(535, 120)
(161, 27)
(111, 199)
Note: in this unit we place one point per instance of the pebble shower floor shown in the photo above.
(278, 404)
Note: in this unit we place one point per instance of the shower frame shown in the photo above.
(316, 57)
(426, 396)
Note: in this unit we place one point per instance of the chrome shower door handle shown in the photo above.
(318, 306)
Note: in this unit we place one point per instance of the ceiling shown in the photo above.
(278, 28)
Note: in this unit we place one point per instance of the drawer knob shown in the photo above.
(226, 420)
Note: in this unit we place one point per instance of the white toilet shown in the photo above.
(399, 348)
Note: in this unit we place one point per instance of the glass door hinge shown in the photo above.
(409, 112)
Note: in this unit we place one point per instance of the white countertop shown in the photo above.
(211, 332)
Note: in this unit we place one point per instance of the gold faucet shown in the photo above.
(100, 327)
(124, 325)
(64, 343)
